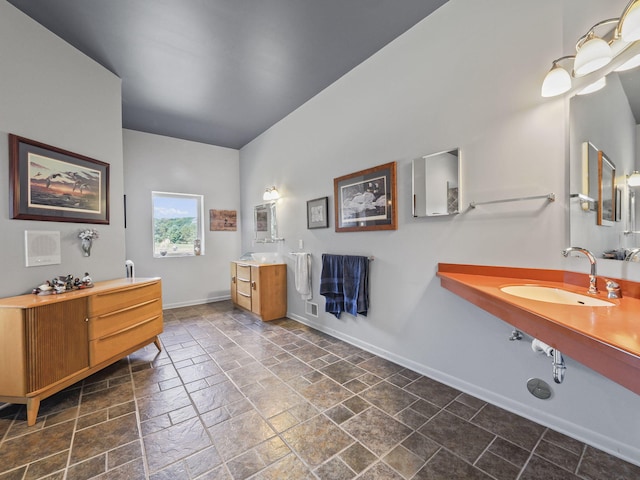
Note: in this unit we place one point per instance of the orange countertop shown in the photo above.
(606, 339)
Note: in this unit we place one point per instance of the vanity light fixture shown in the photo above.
(271, 194)
(595, 51)
(629, 26)
(633, 180)
(593, 87)
(558, 80)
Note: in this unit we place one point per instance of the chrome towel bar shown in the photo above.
(550, 196)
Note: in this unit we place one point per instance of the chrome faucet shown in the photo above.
(631, 254)
(592, 276)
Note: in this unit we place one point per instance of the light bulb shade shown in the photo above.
(630, 28)
(557, 82)
(633, 180)
(595, 53)
(271, 194)
(633, 62)
(593, 87)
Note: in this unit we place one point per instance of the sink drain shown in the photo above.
(539, 388)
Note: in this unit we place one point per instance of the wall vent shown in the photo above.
(42, 248)
(311, 309)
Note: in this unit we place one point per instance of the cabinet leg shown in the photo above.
(157, 343)
(33, 405)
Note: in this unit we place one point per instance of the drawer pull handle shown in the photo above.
(253, 285)
(233, 279)
(244, 294)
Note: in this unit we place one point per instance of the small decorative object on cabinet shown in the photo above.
(260, 288)
(50, 342)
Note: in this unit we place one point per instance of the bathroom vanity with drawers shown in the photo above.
(260, 288)
(50, 342)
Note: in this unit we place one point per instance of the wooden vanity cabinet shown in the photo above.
(50, 342)
(260, 288)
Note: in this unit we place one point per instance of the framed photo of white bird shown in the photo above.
(51, 184)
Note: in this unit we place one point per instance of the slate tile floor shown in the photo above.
(231, 397)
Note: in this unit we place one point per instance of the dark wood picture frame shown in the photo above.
(366, 200)
(50, 184)
(318, 213)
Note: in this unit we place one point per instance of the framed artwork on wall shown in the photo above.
(223, 220)
(51, 184)
(366, 200)
(318, 213)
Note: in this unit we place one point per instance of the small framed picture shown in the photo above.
(317, 213)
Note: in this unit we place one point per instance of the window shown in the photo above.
(177, 224)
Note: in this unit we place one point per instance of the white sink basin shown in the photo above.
(266, 257)
(554, 295)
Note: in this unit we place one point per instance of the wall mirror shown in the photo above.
(603, 150)
(264, 223)
(436, 184)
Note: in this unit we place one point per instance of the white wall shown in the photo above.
(51, 93)
(468, 76)
(158, 163)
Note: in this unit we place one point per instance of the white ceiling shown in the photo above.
(224, 71)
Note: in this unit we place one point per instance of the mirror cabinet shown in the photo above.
(264, 223)
(436, 184)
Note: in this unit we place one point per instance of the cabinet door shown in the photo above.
(57, 338)
(234, 280)
(256, 297)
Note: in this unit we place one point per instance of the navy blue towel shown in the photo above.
(331, 283)
(344, 282)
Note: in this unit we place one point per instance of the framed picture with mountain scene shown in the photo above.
(51, 184)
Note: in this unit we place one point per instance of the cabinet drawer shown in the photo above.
(244, 301)
(114, 321)
(244, 288)
(243, 272)
(114, 344)
(122, 298)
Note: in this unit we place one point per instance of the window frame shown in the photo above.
(173, 252)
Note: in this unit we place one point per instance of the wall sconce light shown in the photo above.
(594, 52)
(633, 180)
(270, 194)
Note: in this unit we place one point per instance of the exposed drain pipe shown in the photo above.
(558, 366)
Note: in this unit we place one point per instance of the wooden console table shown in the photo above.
(48, 342)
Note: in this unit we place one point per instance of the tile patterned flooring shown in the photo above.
(231, 397)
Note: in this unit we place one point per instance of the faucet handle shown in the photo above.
(613, 289)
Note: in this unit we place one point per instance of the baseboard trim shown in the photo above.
(190, 303)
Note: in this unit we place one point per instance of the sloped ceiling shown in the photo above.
(223, 71)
